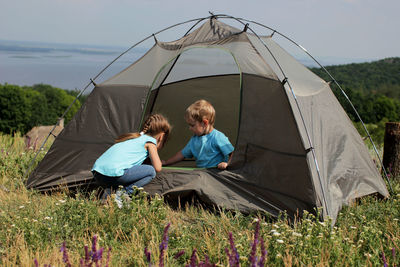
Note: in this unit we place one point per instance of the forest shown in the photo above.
(372, 87)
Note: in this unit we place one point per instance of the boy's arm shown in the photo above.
(223, 165)
(174, 159)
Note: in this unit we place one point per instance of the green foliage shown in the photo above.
(373, 88)
(22, 108)
(14, 109)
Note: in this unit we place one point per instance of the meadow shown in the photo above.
(77, 229)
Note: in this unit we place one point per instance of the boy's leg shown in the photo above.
(139, 175)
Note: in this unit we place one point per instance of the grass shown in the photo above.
(34, 226)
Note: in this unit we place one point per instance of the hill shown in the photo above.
(373, 87)
(382, 76)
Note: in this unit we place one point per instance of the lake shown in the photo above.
(64, 66)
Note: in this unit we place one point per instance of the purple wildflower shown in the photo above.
(234, 256)
(97, 256)
(87, 255)
(261, 263)
(206, 263)
(193, 259)
(65, 255)
(253, 258)
(164, 245)
(179, 254)
(36, 262)
(94, 243)
(384, 259)
(147, 254)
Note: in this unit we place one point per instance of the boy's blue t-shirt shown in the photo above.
(209, 150)
(123, 155)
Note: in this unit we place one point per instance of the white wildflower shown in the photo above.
(353, 227)
(256, 220)
(62, 201)
(322, 223)
(34, 220)
(276, 234)
(275, 226)
(297, 234)
(280, 241)
(48, 218)
(367, 255)
(395, 219)
(21, 207)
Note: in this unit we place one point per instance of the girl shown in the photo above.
(121, 164)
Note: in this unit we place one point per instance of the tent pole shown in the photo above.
(341, 90)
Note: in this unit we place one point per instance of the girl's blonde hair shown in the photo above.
(152, 126)
(199, 110)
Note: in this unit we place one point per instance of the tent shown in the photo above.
(295, 147)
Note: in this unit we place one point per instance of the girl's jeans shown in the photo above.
(138, 175)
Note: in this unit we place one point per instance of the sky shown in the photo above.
(367, 29)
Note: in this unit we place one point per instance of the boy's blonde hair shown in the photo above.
(153, 125)
(199, 110)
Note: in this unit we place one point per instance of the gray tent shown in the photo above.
(295, 147)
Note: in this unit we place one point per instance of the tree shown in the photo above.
(14, 109)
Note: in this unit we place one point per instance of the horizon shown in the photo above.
(343, 28)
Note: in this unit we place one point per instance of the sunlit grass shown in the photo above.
(34, 226)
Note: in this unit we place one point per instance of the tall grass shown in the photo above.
(34, 226)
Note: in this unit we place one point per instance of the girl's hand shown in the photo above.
(222, 165)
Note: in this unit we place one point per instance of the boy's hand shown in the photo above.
(222, 165)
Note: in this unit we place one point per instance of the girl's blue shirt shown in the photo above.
(209, 150)
(123, 155)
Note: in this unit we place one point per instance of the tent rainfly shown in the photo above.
(295, 147)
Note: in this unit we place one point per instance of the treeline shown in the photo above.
(22, 108)
(373, 88)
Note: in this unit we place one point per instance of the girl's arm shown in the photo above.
(154, 157)
(174, 159)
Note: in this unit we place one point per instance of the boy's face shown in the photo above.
(198, 128)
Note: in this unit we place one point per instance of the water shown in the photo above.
(71, 66)
(63, 66)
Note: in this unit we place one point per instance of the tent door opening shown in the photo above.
(197, 73)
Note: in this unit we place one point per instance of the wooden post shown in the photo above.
(391, 149)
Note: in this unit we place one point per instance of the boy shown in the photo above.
(210, 147)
